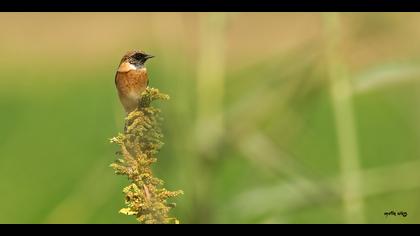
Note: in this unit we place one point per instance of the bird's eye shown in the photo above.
(138, 56)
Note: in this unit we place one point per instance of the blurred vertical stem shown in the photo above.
(210, 81)
(210, 91)
(341, 96)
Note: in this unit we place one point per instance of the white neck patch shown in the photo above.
(126, 66)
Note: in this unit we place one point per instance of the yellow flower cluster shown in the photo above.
(139, 144)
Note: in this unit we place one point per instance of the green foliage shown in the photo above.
(139, 145)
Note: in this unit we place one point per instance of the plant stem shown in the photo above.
(341, 97)
(210, 80)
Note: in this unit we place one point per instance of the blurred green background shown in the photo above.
(273, 117)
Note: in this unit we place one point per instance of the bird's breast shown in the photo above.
(132, 82)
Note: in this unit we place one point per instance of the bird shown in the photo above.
(131, 78)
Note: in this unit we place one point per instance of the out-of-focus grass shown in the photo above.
(277, 160)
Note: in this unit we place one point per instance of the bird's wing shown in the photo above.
(116, 78)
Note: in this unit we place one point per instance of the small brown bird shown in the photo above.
(131, 78)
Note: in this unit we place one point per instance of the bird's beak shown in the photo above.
(149, 56)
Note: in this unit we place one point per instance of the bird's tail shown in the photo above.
(125, 123)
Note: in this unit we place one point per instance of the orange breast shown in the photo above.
(130, 85)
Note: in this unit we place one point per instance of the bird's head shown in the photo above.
(136, 58)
